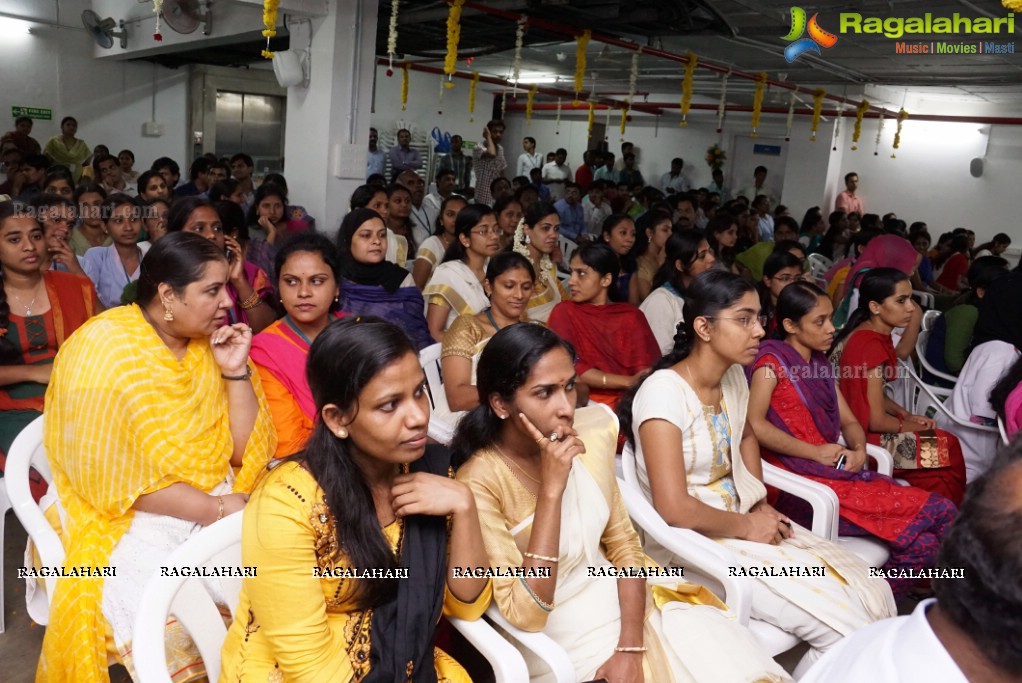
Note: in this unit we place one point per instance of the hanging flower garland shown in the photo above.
(516, 64)
(791, 117)
(722, 105)
(757, 101)
(528, 103)
(453, 36)
(472, 95)
(606, 125)
(817, 111)
(592, 115)
(624, 120)
(269, 21)
(157, 9)
(902, 115)
(1013, 5)
(405, 72)
(633, 76)
(686, 86)
(837, 123)
(580, 61)
(860, 111)
(880, 131)
(557, 123)
(392, 36)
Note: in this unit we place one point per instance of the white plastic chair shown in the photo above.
(819, 265)
(921, 341)
(926, 396)
(929, 319)
(567, 246)
(5, 506)
(1000, 427)
(925, 298)
(440, 430)
(186, 598)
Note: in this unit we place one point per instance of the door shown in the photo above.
(253, 124)
(747, 153)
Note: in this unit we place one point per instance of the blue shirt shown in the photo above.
(104, 268)
(573, 224)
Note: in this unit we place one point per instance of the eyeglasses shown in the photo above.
(745, 321)
(487, 231)
(787, 279)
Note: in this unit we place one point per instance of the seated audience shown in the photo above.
(365, 492)
(267, 226)
(812, 229)
(536, 239)
(248, 286)
(151, 185)
(688, 255)
(509, 213)
(969, 632)
(618, 232)
(885, 251)
(721, 236)
(924, 456)
(57, 215)
(613, 341)
(372, 285)
(308, 284)
(433, 249)
(994, 247)
(227, 190)
(698, 463)
(780, 270)
(109, 172)
(652, 230)
(150, 406)
(154, 218)
(543, 478)
(111, 268)
(59, 181)
(399, 222)
(838, 273)
(90, 231)
(296, 218)
(956, 266)
(799, 415)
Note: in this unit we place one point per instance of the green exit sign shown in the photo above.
(32, 113)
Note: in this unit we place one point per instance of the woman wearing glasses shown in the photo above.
(780, 270)
(699, 465)
(456, 287)
(613, 340)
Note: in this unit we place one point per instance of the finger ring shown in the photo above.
(540, 439)
(553, 436)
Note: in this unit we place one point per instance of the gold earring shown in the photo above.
(168, 314)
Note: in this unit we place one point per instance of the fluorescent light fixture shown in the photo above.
(14, 27)
(540, 77)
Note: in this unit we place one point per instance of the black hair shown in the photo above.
(128, 152)
(102, 159)
(266, 190)
(45, 200)
(600, 257)
(681, 246)
(648, 221)
(241, 156)
(984, 544)
(143, 180)
(795, 302)
(439, 223)
(721, 222)
(870, 221)
(959, 245)
(629, 263)
(877, 284)
(849, 175)
(66, 119)
(200, 165)
(504, 367)
(811, 218)
(115, 200)
(709, 294)
(444, 172)
(89, 188)
(10, 353)
(860, 240)
(467, 219)
(22, 119)
(222, 190)
(538, 212)
(785, 246)
(788, 222)
(232, 218)
(178, 259)
(59, 172)
(168, 163)
(181, 209)
(505, 261)
(777, 261)
(343, 359)
(275, 178)
(312, 243)
(826, 245)
(999, 238)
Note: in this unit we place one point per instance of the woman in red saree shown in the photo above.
(926, 457)
(307, 280)
(798, 416)
(613, 342)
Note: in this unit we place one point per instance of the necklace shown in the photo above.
(29, 305)
(692, 383)
(515, 468)
(489, 316)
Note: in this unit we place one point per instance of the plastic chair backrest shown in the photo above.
(429, 359)
(930, 319)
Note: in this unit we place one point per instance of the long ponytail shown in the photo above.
(877, 284)
(710, 293)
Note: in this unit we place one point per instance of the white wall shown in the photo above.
(53, 68)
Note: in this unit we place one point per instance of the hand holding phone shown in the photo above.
(841, 461)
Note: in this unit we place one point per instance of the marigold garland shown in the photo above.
(791, 117)
(582, 42)
(453, 36)
(592, 115)
(1013, 5)
(624, 121)
(902, 115)
(817, 111)
(472, 95)
(528, 103)
(686, 86)
(860, 111)
(405, 72)
(270, 22)
(757, 101)
(395, 5)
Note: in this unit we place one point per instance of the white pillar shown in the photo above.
(327, 126)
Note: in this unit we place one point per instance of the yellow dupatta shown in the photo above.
(124, 417)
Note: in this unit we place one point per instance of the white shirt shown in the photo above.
(422, 226)
(678, 183)
(896, 650)
(751, 192)
(527, 162)
(431, 204)
(663, 310)
(594, 215)
(766, 228)
(552, 171)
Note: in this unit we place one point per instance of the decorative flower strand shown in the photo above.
(472, 95)
(757, 101)
(453, 36)
(624, 120)
(817, 111)
(606, 125)
(589, 122)
(528, 103)
(902, 115)
(1013, 5)
(582, 42)
(405, 71)
(516, 65)
(880, 131)
(860, 111)
(157, 9)
(557, 128)
(686, 86)
(722, 105)
(791, 117)
(837, 123)
(270, 22)
(392, 36)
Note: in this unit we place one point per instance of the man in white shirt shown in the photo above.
(556, 174)
(422, 227)
(376, 161)
(759, 187)
(761, 205)
(970, 633)
(674, 182)
(445, 180)
(108, 170)
(530, 158)
(596, 207)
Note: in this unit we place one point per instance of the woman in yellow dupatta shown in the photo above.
(149, 406)
(66, 149)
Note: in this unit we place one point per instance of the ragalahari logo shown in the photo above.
(817, 36)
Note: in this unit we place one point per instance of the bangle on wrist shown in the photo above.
(239, 378)
(544, 558)
(220, 512)
(251, 302)
(640, 648)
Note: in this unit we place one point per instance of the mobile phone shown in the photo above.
(840, 464)
(931, 411)
(229, 254)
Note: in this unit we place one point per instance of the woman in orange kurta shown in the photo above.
(307, 281)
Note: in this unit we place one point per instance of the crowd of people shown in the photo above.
(201, 349)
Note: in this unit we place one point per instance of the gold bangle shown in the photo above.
(545, 558)
(604, 380)
(630, 649)
(220, 513)
(251, 302)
